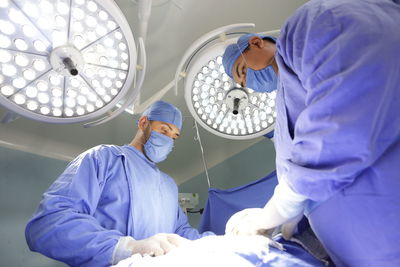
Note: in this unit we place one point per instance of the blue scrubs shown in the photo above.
(105, 193)
(337, 132)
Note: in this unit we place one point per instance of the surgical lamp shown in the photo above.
(67, 61)
(216, 102)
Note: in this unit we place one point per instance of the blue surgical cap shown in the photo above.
(233, 51)
(166, 112)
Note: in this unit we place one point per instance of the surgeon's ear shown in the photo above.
(256, 41)
(143, 123)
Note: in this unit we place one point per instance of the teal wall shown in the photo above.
(23, 179)
(255, 162)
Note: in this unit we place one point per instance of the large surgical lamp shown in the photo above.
(67, 61)
(216, 102)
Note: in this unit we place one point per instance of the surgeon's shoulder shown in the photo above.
(303, 17)
(102, 152)
(319, 10)
(304, 28)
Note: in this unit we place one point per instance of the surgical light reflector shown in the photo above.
(226, 108)
(215, 101)
(64, 61)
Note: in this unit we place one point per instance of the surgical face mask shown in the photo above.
(158, 146)
(264, 80)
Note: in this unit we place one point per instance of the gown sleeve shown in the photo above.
(63, 227)
(345, 68)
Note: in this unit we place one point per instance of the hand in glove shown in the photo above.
(156, 245)
(289, 228)
(284, 206)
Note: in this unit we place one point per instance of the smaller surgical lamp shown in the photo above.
(216, 102)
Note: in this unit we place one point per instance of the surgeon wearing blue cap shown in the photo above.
(112, 201)
(337, 132)
(259, 76)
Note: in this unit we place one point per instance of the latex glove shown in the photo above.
(284, 205)
(254, 221)
(157, 245)
(290, 227)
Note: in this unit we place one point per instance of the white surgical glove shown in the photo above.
(155, 245)
(284, 206)
(289, 228)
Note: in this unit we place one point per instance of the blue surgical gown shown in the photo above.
(337, 132)
(106, 193)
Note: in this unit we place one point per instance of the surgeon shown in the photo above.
(113, 201)
(337, 132)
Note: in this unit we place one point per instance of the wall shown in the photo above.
(23, 179)
(255, 162)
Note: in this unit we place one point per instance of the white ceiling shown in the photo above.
(173, 26)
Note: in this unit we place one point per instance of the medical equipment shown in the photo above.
(188, 201)
(67, 61)
(216, 102)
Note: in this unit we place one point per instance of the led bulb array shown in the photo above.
(31, 30)
(212, 96)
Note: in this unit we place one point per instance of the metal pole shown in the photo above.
(202, 152)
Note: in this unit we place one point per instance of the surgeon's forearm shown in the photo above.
(71, 237)
(284, 205)
(287, 202)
